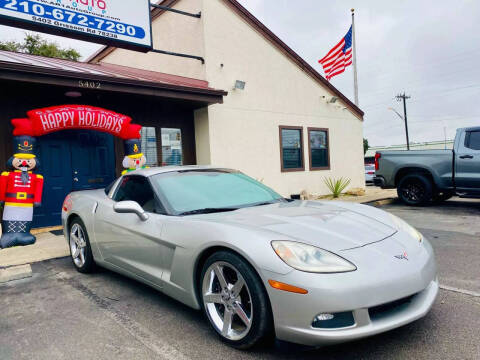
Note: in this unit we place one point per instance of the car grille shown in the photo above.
(377, 312)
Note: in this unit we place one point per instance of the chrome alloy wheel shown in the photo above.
(78, 245)
(227, 300)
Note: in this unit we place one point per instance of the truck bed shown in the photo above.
(438, 162)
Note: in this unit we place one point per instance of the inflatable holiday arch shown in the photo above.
(21, 189)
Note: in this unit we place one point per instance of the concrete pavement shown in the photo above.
(15, 262)
(48, 246)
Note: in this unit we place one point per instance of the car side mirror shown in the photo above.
(130, 207)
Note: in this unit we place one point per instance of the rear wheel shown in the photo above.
(80, 249)
(415, 189)
(235, 300)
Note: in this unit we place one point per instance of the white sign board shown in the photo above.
(122, 23)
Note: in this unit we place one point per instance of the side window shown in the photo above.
(136, 188)
(149, 145)
(291, 148)
(472, 140)
(319, 149)
(172, 147)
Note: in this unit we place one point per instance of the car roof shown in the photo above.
(164, 169)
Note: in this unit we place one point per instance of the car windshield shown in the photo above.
(197, 191)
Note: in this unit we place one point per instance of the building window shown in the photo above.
(291, 148)
(172, 147)
(149, 145)
(319, 149)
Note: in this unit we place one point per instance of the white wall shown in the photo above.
(171, 32)
(244, 131)
(202, 136)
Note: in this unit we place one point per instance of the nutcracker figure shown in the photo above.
(134, 158)
(20, 191)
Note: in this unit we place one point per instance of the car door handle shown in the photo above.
(466, 157)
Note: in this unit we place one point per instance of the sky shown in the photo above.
(427, 49)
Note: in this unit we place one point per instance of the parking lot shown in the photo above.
(61, 314)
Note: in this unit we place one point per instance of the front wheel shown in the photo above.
(80, 249)
(415, 189)
(234, 300)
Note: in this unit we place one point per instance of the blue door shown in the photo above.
(71, 161)
(93, 160)
(55, 166)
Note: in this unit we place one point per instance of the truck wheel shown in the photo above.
(415, 189)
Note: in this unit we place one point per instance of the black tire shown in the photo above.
(261, 314)
(88, 265)
(415, 190)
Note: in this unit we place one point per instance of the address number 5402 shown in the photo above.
(89, 84)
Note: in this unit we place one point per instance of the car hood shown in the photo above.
(328, 225)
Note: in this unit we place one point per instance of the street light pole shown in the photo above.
(404, 97)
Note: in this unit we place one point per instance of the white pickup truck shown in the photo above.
(423, 176)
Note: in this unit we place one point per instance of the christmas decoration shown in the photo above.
(134, 158)
(47, 120)
(20, 191)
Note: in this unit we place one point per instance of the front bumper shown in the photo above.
(415, 309)
(373, 293)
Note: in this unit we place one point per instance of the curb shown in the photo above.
(380, 202)
(15, 273)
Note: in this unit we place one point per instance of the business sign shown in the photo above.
(121, 23)
(67, 117)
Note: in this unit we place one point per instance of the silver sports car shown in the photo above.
(310, 272)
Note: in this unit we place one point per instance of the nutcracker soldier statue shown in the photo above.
(20, 191)
(134, 158)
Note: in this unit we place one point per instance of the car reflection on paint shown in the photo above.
(310, 272)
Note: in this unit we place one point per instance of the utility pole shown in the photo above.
(404, 97)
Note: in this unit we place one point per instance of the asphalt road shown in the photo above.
(61, 314)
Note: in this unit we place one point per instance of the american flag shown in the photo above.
(339, 57)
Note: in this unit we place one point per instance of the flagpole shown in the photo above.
(354, 45)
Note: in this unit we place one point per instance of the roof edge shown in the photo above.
(28, 68)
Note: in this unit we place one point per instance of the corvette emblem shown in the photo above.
(402, 256)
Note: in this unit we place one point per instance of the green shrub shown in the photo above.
(336, 186)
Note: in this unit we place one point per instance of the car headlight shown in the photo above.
(309, 258)
(409, 229)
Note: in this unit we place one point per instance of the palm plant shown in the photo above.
(336, 186)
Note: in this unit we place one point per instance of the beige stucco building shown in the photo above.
(281, 128)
